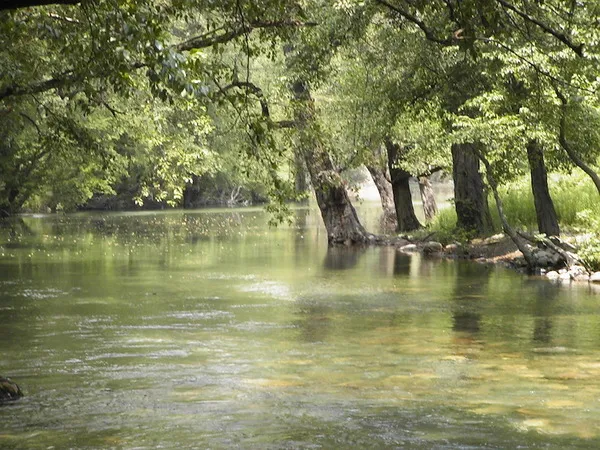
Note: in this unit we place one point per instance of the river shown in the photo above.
(207, 329)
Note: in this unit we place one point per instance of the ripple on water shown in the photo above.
(270, 288)
(41, 294)
(226, 276)
(200, 315)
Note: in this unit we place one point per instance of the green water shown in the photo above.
(208, 330)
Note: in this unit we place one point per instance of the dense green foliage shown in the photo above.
(189, 102)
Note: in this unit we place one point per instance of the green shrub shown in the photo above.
(589, 253)
(444, 226)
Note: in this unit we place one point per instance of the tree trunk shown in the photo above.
(470, 200)
(339, 216)
(508, 229)
(405, 212)
(300, 178)
(544, 207)
(429, 206)
(381, 178)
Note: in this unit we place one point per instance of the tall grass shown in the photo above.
(575, 198)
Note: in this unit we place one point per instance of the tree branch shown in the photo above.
(212, 38)
(412, 18)
(430, 171)
(203, 41)
(249, 86)
(36, 88)
(578, 49)
(564, 143)
(16, 4)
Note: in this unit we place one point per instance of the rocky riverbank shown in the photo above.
(499, 249)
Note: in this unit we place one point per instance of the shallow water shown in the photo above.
(206, 329)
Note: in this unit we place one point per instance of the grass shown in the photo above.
(575, 198)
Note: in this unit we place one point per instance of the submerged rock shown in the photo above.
(595, 277)
(566, 276)
(432, 247)
(578, 273)
(9, 390)
(553, 275)
(409, 248)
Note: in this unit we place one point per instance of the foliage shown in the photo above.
(589, 253)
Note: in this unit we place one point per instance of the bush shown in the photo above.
(444, 225)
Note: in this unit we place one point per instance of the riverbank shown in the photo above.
(499, 249)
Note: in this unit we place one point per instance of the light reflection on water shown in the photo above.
(197, 330)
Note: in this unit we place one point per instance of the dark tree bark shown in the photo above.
(470, 199)
(381, 178)
(405, 212)
(339, 216)
(429, 205)
(544, 207)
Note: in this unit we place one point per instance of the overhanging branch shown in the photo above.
(429, 34)
(214, 38)
(203, 41)
(578, 49)
(16, 4)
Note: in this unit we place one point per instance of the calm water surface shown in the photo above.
(209, 330)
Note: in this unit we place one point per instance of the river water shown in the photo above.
(207, 329)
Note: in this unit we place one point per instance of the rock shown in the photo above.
(556, 259)
(432, 247)
(578, 271)
(595, 277)
(584, 277)
(494, 239)
(552, 275)
(561, 271)
(451, 248)
(9, 390)
(542, 258)
(565, 276)
(409, 248)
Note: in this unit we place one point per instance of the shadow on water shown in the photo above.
(343, 257)
(402, 263)
(469, 292)
(546, 296)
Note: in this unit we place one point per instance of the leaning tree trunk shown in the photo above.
(508, 229)
(470, 200)
(429, 205)
(544, 207)
(405, 212)
(339, 216)
(381, 178)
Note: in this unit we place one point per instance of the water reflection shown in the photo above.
(343, 257)
(403, 263)
(469, 296)
(543, 323)
(195, 329)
